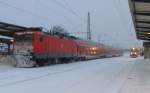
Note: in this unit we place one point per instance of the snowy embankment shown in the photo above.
(95, 76)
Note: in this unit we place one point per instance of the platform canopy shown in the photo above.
(7, 29)
(140, 10)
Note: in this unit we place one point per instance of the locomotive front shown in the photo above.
(23, 48)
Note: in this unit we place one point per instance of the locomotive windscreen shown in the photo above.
(22, 36)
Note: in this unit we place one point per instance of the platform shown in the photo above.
(138, 80)
(110, 75)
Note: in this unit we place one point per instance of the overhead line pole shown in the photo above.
(89, 27)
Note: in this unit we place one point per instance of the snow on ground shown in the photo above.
(108, 75)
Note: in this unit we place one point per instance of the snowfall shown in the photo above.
(109, 75)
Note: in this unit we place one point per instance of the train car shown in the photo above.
(38, 48)
(90, 50)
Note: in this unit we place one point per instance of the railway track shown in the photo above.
(23, 75)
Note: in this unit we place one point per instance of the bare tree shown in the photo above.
(58, 30)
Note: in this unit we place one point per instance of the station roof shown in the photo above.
(7, 29)
(141, 16)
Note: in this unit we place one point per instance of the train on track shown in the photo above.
(134, 52)
(37, 48)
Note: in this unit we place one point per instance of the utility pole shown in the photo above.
(89, 37)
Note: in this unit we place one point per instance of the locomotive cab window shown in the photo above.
(23, 36)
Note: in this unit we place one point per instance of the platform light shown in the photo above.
(148, 33)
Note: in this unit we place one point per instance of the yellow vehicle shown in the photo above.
(133, 52)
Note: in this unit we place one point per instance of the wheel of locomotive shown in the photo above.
(57, 61)
(64, 60)
(77, 59)
(82, 58)
(72, 59)
(40, 62)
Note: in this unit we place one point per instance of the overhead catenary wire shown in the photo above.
(54, 13)
(25, 11)
(68, 8)
(121, 17)
(116, 3)
(123, 23)
(67, 4)
(73, 11)
(118, 13)
(45, 18)
(75, 27)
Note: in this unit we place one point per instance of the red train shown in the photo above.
(39, 48)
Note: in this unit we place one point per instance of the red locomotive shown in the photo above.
(39, 48)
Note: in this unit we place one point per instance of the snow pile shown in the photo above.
(6, 59)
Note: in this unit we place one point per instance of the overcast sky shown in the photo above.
(110, 19)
